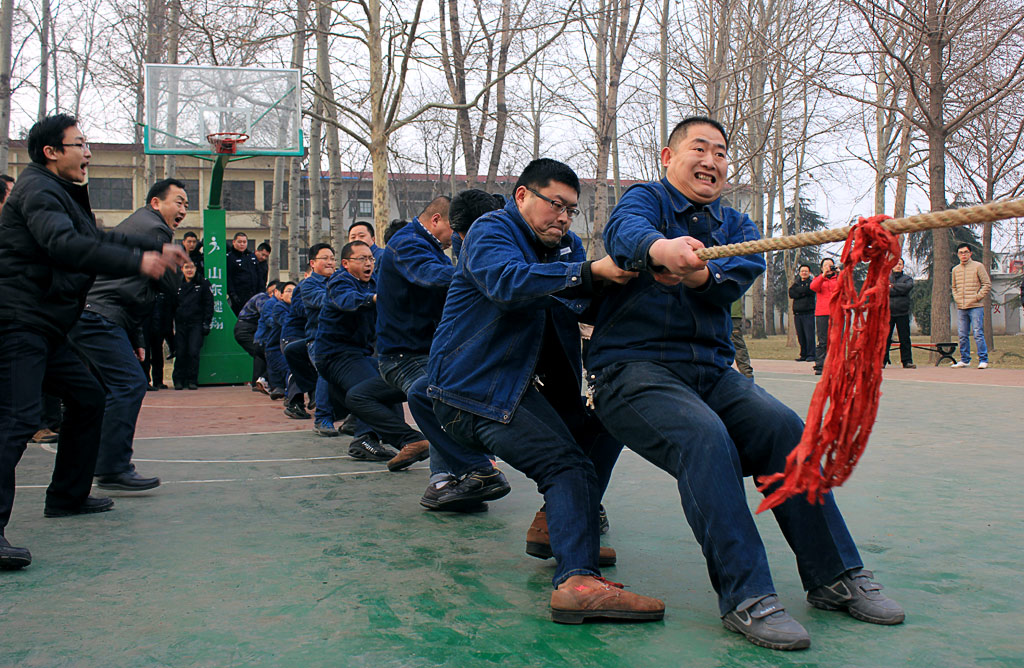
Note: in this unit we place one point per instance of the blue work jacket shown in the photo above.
(314, 291)
(348, 319)
(645, 320)
(266, 322)
(412, 280)
(489, 339)
(253, 308)
(294, 327)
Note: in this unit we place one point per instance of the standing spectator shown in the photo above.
(243, 274)
(803, 312)
(158, 327)
(742, 356)
(824, 284)
(193, 315)
(108, 336)
(262, 257)
(6, 185)
(195, 253)
(970, 286)
(49, 237)
(900, 286)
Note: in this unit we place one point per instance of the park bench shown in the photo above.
(945, 350)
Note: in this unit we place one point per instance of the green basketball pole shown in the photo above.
(222, 360)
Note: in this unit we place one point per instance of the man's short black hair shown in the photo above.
(3, 189)
(315, 249)
(439, 205)
(282, 285)
(824, 260)
(273, 284)
(962, 244)
(802, 266)
(542, 171)
(264, 246)
(239, 234)
(469, 205)
(48, 132)
(348, 249)
(189, 235)
(160, 188)
(393, 227)
(367, 225)
(679, 131)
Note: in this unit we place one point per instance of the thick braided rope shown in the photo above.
(983, 213)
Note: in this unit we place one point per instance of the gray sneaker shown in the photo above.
(766, 623)
(855, 593)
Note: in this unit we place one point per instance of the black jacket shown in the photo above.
(126, 301)
(900, 286)
(802, 295)
(243, 275)
(51, 250)
(195, 303)
(197, 259)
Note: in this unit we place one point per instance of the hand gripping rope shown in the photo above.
(834, 439)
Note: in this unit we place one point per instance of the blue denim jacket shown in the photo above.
(266, 322)
(314, 291)
(294, 327)
(348, 319)
(489, 339)
(412, 281)
(644, 320)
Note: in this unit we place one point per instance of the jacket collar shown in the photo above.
(77, 191)
(423, 231)
(512, 209)
(681, 205)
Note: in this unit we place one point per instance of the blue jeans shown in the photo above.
(972, 321)
(30, 365)
(277, 367)
(538, 443)
(324, 412)
(408, 373)
(708, 428)
(105, 348)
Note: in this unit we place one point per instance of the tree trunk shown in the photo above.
(378, 121)
(501, 101)
(294, 164)
(325, 85)
(941, 260)
(316, 197)
(44, 59)
(173, 43)
(6, 23)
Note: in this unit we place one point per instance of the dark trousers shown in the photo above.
(821, 325)
(153, 365)
(188, 340)
(277, 366)
(105, 348)
(355, 377)
(708, 428)
(52, 415)
(302, 374)
(804, 323)
(901, 324)
(30, 365)
(538, 442)
(244, 332)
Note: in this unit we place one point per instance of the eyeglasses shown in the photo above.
(557, 206)
(365, 259)
(326, 258)
(83, 145)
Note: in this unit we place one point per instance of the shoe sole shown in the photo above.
(72, 513)
(800, 643)
(325, 434)
(14, 563)
(296, 416)
(580, 616)
(857, 614)
(543, 551)
(433, 507)
(481, 495)
(366, 457)
(127, 488)
(406, 463)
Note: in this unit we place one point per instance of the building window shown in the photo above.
(268, 196)
(192, 190)
(238, 196)
(111, 194)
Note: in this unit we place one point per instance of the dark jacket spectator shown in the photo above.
(802, 295)
(243, 277)
(194, 304)
(900, 286)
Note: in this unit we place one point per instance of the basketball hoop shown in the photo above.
(226, 142)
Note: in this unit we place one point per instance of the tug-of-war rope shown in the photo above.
(834, 440)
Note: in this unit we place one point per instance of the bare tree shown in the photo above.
(6, 39)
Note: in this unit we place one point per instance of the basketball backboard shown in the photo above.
(185, 103)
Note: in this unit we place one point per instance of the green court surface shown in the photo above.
(276, 549)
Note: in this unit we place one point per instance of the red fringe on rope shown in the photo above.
(851, 376)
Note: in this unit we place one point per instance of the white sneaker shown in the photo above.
(959, 365)
(983, 365)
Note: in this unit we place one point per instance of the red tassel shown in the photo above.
(851, 376)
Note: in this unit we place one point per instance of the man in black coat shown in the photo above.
(195, 253)
(243, 273)
(193, 315)
(50, 252)
(108, 336)
(803, 312)
(900, 286)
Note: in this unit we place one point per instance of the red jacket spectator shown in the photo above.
(824, 286)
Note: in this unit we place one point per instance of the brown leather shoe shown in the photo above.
(45, 436)
(538, 543)
(409, 455)
(583, 597)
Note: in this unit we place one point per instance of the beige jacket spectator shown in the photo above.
(970, 284)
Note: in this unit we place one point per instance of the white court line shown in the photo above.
(275, 477)
(244, 433)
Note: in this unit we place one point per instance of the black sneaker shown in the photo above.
(433, 493)
(349, 425)
(474, 488)
(179, 386)
(296, 412)
(13, 558)
(766, 623)
(370, 450)
(855, 593)
(277, 394)
(91, 504)
(193, 386)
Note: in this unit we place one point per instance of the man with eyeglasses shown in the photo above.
(313, 291)
(505, 374)
(660, 368)
(50, 252)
